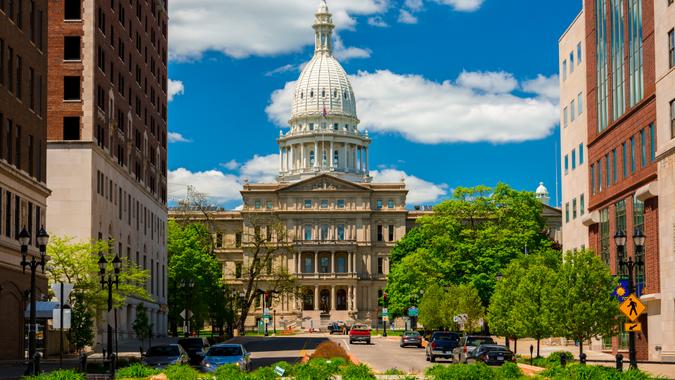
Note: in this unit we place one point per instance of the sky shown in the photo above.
(453, 92)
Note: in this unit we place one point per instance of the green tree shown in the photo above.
(81, 332)
(468, 239)
(582, 300)
(191, 258)
(141, 325)
(533, 293)
(503, 318)
(469, 305)
(432, 309)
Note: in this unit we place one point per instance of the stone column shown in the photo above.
(317, 159)
(303, 164)
(361, 159)
(349, 262)
(332, 262)
(345, 164)
(298, 257)
(291, 159)
(354, 157)
(349, 298)
(367, 166)
(332, 298)
(356, 303)
(331, 156)
(316, 297)
(281, 159)
(316, 262)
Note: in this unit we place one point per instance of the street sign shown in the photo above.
(632, 307)
(413, 312)
(67, 289)
(632, 327)
(185, 313)
(56, 319)
(385, 318)
(279, 371)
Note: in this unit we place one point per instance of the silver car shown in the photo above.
(165, 355)
(222, 354)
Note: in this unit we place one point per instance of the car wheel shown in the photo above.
(432, 359)
(426, 357)
(401, 345)
(351, 342)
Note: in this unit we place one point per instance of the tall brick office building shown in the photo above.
(23, 190)
(621, 103)
(107, 136)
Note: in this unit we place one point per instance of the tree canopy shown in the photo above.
(467, 240)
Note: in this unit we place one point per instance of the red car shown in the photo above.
(359, 333)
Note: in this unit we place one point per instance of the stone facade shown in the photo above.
(23, 190)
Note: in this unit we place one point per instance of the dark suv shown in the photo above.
(196, 347)
(441, 344)
(467, 346)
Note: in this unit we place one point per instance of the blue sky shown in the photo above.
(453, 92)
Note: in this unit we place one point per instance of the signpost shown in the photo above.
(632, 327)
(413, 313)
(61, 317)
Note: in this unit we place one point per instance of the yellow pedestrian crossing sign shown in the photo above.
(632, 308)
(632, 327)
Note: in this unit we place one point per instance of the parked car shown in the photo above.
(492, 354)
(359, 333)
(440, 345)
(222, 354)
(196, 347)
(338, 327)
(411, 338)
(467, 345)
(165, 355)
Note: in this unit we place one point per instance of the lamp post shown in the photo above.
(630, 265)
(24, 240)
(188, 286)
(109, 281)
(385, 315)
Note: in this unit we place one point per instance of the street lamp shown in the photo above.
(639, 240)
(499, 276)
(385, 315)
(109, 281)
(188, 286)
(24, 240)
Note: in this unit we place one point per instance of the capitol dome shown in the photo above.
(324, 136)
(542, 194)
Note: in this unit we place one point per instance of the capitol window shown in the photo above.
(257, 204)
(324, 203)
(311, 158)
(336, 156)
(311, 94)
(308, 232)
(324, 232)
(311, 126)
(323, 93)
(341, 232)
(390, 203)
(341, 203)
(308, 203)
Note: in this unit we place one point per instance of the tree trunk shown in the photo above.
(538, 341)
(515, 345)
(581, 347)
(507, 342)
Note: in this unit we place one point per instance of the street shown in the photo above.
(385, 353)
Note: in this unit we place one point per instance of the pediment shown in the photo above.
(324, 182)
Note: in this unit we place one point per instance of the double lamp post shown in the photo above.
(33, 264)
(109, 281)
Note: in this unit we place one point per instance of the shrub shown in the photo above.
(263, 373)
(230, 372)
(590, 372)
(59, 375)
(134, 371)
(509, 371)
(330, 350)
(478, 371)
(317, 369)
(357, 372)
(181, 372)
(393, 372)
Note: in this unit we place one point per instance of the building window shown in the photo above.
(582, 205)
(639, 224)
(71, 48)
(599, 166)
(324, 232)
(340, 203)
(573, 108)
(574, 208)
(73, 10)
(340, 232)
(71, 88)
(237, 239)
(258, 204)
(581, 154)
(571, 62)
(580, 105)
(643, 148)
(270, 205)
(624, 167)
(325, 264)
(380, 266)
(620, 225)
(579, 55)
(652, 143)
(311, 158)
(604, 235)
(324, 203)
(379, 204)
(567, 164)
(219, 240)
(574, 159)
(564, 70)
(671, 48)
(308, 203)
(380, 237)
(614, 165)
(565, 117)
(601, 64)
(237, 270)
(567, 212)
(71, 128)
(390, 203)
(308, 232)
(618, 85)
(635, 55)
(632, 155)
(391, 232)
(672, 119)
(608, 176)
(593, 179)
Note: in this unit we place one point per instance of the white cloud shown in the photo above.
(261, 169)
(419, 190)
(283, 69)
(175, 137)
(343, 53)
(175, 87)
(231, 165)
(430, 112)
(462, 5)
(377, 21)
(493, 82)
(218, 186)
(254, 27)
(414, 5)
(405, 17)
(548, 87)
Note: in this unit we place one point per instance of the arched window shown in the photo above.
(311, 94)
(311, 158)
(325, 159)
(345, 94)
(308, 300)
(335, 93)
(302, 95)
(335, 126)
(341, 299)
(323, 93)
(311, 126)
(336, 158)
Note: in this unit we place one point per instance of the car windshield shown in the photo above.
(191, 343)
(225, 351)
(411, 333)
(448, 336)
(477, 341)
(360, 327)
(491, 348)
(163, 351)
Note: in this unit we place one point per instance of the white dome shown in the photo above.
(542, 190)
(323, 87)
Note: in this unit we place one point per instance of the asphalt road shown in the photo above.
(385, 353)
(267, 351)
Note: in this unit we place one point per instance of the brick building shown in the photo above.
(621, 126)
(107, 135)
(23, 190)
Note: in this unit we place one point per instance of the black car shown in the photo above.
(493, 354)
(441, 344)
(196, 347)
(467, 346)
(337, 328)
